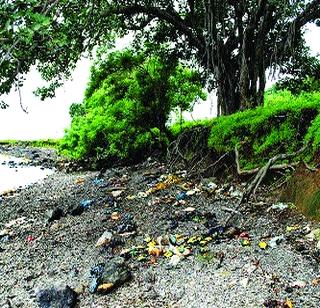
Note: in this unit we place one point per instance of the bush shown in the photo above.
(127, 104)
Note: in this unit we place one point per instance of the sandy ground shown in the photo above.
(138, 205)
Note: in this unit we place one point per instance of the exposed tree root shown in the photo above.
(256, 170)
(260, 175)
(190, 151)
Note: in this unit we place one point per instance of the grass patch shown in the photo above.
(282, 125)
(41, 143)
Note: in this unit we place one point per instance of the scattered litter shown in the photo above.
(189, 209)
(263, 245)
(212, 186)
(192, 192)
(275, 241)
(234, 193)
(315, 282)
(174, 261)
(245, 243)
(273, 303)
(131, 197)
(98, 182)
(116, 193)
(142, 194)
(299, 284)
(218, 230)
(127, 225)
(30, 238)
(115, 216)
(244, 235)
(109, 201)
(86, 204)
(79, 209)
(281, 206)
(292, 228)
(181, 196)
(5, 232)
(79, 181)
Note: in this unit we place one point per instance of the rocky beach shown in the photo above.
(146, 236)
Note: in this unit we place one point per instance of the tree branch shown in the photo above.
(170, 17)
(310, 14)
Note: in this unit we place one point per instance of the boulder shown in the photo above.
(57, 297)
(108, 276)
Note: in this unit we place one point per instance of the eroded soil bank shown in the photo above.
(170, 231)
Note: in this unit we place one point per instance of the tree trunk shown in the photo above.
(228, 98)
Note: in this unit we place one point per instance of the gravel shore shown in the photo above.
(141, 203)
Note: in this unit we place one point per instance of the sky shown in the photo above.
(49, 118)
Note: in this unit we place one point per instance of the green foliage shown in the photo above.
(179, 127)
(312, 209)
(225, 38)
(127, 104)
(282, 125)
(303, 75)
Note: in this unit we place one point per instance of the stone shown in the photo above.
(57, 298)
(54, 214)
(77, 210)
(108, 276)
(104, 239)
(231, 232)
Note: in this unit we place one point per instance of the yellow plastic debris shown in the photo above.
(105, 287)
(263, 245)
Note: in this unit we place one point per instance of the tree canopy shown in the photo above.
(235, 42)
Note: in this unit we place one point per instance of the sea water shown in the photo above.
(15, 175)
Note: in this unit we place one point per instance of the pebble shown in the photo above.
(104, 239)
(54, 214)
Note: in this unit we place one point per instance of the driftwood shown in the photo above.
(260, 175)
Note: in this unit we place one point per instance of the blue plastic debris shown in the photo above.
(86, 204)
(99, 182)
(96, 273)
(218, 230)
(183, 195)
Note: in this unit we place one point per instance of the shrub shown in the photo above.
(126, 107)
